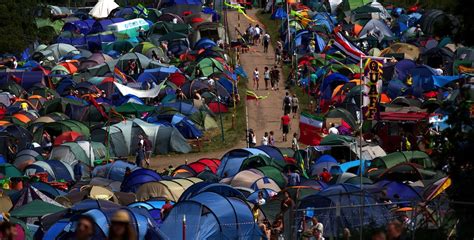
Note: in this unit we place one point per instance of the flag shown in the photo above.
(300, 163)
(240, 10)
(119, 75)
(251, 95)
(344, 45)
(310, 129)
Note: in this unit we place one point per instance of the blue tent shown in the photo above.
(323, 205)
(323, 19)
(267, 194)
(221, 189)
(101, 25)
(273, 152)
(81, 26)
(232, 160)
(212, 216)
(138, 177)
(140, 220)
(279, 13)
(228, 85)
(182, 107)
(404, 191)
(114, 171)
(185, 126)
(397, 88)
(156, 74)
(57, 170)
(204, 43)
(403, 68)
(153, 207)
(441, 81)
(325, 161)
(422, 79)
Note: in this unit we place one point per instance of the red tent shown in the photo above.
(69, 136)
(177, 78)
(217, 107)
(203, 163)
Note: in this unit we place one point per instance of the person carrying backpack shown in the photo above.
(287, 103)
(266, 42)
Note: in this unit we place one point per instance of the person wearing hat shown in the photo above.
(121, 229)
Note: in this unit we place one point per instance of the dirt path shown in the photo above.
(263, 116)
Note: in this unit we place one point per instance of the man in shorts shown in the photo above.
(285, 126)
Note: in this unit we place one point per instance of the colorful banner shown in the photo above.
(373, 80)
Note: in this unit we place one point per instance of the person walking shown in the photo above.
(139, 154)
(287, 103)
(278, 52)
(252, 139)
(276, 78)
(258, 33)
(285, 126)
(265, 139)
(271, 139)
(266, 77)
(266, 42)
(294, 142)
(294, 105)
(255, 78)
(120, 227)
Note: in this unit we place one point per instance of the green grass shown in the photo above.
(272, 27)
(232, 133)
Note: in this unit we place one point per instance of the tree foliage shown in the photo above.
(18, 28)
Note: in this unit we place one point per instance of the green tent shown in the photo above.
(392, 159)
(58, 105)
(260, 160)
(80, 151)
(162, 28)
(209, 66)
(35, 208)
(8, 170)
(46, 22)
(204, 120)
(56, 128)
(121, 46)
(134, 108)
(344, 115)
(147, 49)
(275, 174)
(335, 139)
(173, 36)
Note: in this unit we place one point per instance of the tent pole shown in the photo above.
(361, 118)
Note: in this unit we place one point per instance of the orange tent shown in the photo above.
(71, 66)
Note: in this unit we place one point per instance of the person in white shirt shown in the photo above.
(261, 201)
(258, 33)
(255, 78)
(265, 139)
(333, 129)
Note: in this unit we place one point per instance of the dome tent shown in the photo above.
(220, 218)
(138, 177)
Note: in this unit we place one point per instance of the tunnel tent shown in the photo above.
(56, 128)
(57, 170)
(232, 160)
(82, 151)
(113, 171)
(260, 160)
(167, 189)
(323, 206)
(275, 174)
(138, 177)
(26, 157)
(392, 159)
(219, 217)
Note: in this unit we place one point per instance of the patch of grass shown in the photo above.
(233, 132)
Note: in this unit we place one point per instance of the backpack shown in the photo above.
(287, 101)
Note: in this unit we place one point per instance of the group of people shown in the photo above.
(274, 230)
(143, 152)
(270, 75)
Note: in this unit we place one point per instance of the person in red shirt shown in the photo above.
(285, 125)
(165, 209)
(325, 175)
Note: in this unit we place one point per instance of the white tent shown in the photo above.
(103, 8)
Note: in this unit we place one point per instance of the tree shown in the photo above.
(455, 148)
(18, 28)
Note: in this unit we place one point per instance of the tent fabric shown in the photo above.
(344, 195)
(81, 151)
(114, 171)
(35, 208)
(168, 189)
(221, 189)
(232, 160)
(103, 8)
(57, 170)
(138, 177)
(225, 218)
